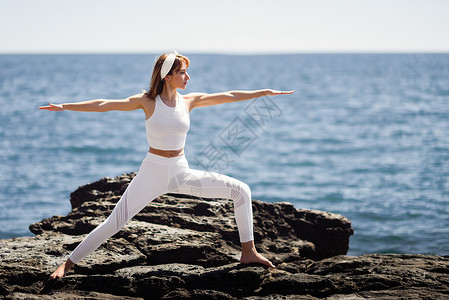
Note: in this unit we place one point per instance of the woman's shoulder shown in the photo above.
(143, 99)
(190, 98)
(146, 103)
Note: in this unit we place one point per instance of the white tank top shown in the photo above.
(167, 127)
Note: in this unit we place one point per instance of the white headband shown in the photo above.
(168, 63)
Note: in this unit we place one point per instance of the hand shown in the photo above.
(274, 92)
(52, 107)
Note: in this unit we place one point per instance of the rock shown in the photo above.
(279, 228)
(72, 295)
(181, 247)
(197, 295)
(106, 187)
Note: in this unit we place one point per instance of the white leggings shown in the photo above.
(159, 175)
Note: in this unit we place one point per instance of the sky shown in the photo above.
(227, 26)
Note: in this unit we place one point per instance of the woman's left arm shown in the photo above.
(202, 100)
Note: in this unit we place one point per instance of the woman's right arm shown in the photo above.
(98, 105)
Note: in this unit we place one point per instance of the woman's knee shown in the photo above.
(245, 190)
(240, 193)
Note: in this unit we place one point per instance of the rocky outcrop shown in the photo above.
(279, 228)
(180, 247)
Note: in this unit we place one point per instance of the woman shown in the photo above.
(165, 168)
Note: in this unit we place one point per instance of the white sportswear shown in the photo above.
(167, 127)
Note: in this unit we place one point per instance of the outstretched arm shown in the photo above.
(202, 100)
(98, 105)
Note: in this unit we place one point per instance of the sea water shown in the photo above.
(364, 135)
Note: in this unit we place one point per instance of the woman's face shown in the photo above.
(179, 79)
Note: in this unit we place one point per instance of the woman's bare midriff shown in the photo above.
(167, 153)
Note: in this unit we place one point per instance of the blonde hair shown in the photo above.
(157, 84)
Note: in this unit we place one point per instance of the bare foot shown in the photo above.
(250, 255)
(62, 270)
(256, 258)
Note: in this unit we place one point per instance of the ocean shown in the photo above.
(364, 135)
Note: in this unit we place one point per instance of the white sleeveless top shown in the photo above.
(167, 127)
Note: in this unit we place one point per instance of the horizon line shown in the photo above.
(230, 53)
